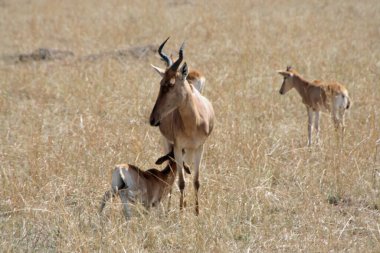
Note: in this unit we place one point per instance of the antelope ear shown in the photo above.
(285, 73)
(162, 159)
(184, 71)
(158, 70)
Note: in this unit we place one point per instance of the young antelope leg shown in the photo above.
(342, 122)
(109, 194)
(316, 125)
(334, 115)
(124, 199)
(309, 125)
(117, 184)
(335, 119)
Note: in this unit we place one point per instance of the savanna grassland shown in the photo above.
(66, 121)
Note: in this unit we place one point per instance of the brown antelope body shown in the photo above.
(185, 117)
(316, 96)
(147, 187)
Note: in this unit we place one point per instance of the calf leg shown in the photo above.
(109, 194)
(309, 125)
(337, 115)
(342, 123)
(116, 184)
(124, 199)
(334, 114)
(316, 125)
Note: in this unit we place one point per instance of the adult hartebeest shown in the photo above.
(318, 95)
(185, 117)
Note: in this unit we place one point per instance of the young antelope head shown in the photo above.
(172, 87)
(288, 82)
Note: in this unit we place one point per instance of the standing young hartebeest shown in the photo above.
(318, 95)
(184, 116)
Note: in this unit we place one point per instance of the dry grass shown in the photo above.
(65, 123)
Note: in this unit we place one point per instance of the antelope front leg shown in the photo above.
(309, 125)
(181, 181)
(197, 162)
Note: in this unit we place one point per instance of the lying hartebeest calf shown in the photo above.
(318, 95)
(148, 187)
(185, 117)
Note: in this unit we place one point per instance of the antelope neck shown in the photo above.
(188, 111)
(301, 86)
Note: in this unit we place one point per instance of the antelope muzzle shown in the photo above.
(154, 121)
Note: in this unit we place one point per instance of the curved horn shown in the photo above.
(164, 57)
(180, 58)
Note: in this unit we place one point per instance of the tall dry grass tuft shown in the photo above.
(65, 123)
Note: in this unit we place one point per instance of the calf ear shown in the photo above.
(162, 159)
(158, 70)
